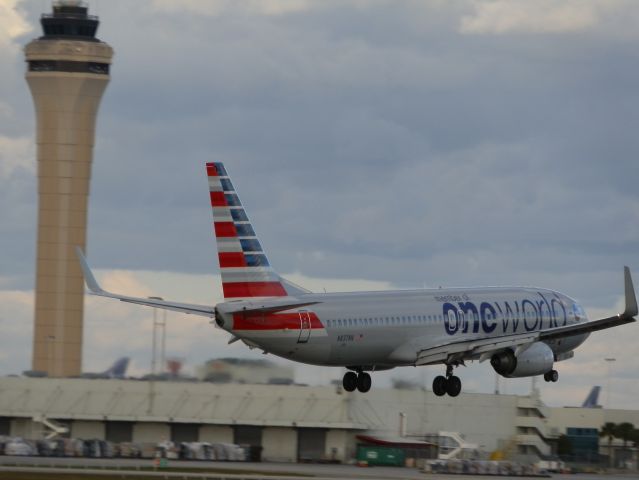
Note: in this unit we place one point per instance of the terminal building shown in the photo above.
(293, 422)
(290, 422)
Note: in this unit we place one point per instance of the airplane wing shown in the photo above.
(627, 316)
(266, 305)
(483, 349)
(94, 287)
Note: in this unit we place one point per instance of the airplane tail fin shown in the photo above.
(118, 369)
(246, 272)
(591, 399)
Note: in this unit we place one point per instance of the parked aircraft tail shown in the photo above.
(591, 399)
(118, 369)
(246, 272)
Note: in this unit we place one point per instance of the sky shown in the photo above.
(375, 144)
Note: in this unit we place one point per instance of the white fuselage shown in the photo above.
(379, 330)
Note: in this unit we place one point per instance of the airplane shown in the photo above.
(117, 370)
(522, 331)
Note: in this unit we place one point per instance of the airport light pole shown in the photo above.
(162, 324)
(153, 359)
(609, 362)
(163, 343)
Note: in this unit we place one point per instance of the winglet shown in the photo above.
(88, 274)
(631, 299)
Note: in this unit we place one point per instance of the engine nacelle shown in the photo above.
(536, 360)
(219, 320)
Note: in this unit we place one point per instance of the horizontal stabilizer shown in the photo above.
(265, 306)
(94, 287)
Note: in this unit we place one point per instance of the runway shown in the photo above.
(140, 469)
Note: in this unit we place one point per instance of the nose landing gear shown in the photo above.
(360, 381)
(450, 384)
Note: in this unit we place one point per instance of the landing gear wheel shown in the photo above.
(439, 385)
(364, 382)
(349, 382)
(551, 376)
(453, 386)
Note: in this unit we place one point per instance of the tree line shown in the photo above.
(625, 431)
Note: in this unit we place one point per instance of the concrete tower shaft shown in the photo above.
(68, 71)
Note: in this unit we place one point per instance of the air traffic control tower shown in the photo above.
(68, 70)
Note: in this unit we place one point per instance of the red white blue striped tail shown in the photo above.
(246, 271)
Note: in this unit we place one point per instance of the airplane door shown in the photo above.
(305, 327)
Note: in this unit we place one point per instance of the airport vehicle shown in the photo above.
(522, 331)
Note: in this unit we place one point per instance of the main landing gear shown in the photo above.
(450, 384)
(360, 381)
(551, 376)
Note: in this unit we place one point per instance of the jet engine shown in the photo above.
(218, 318)
(535, 360)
